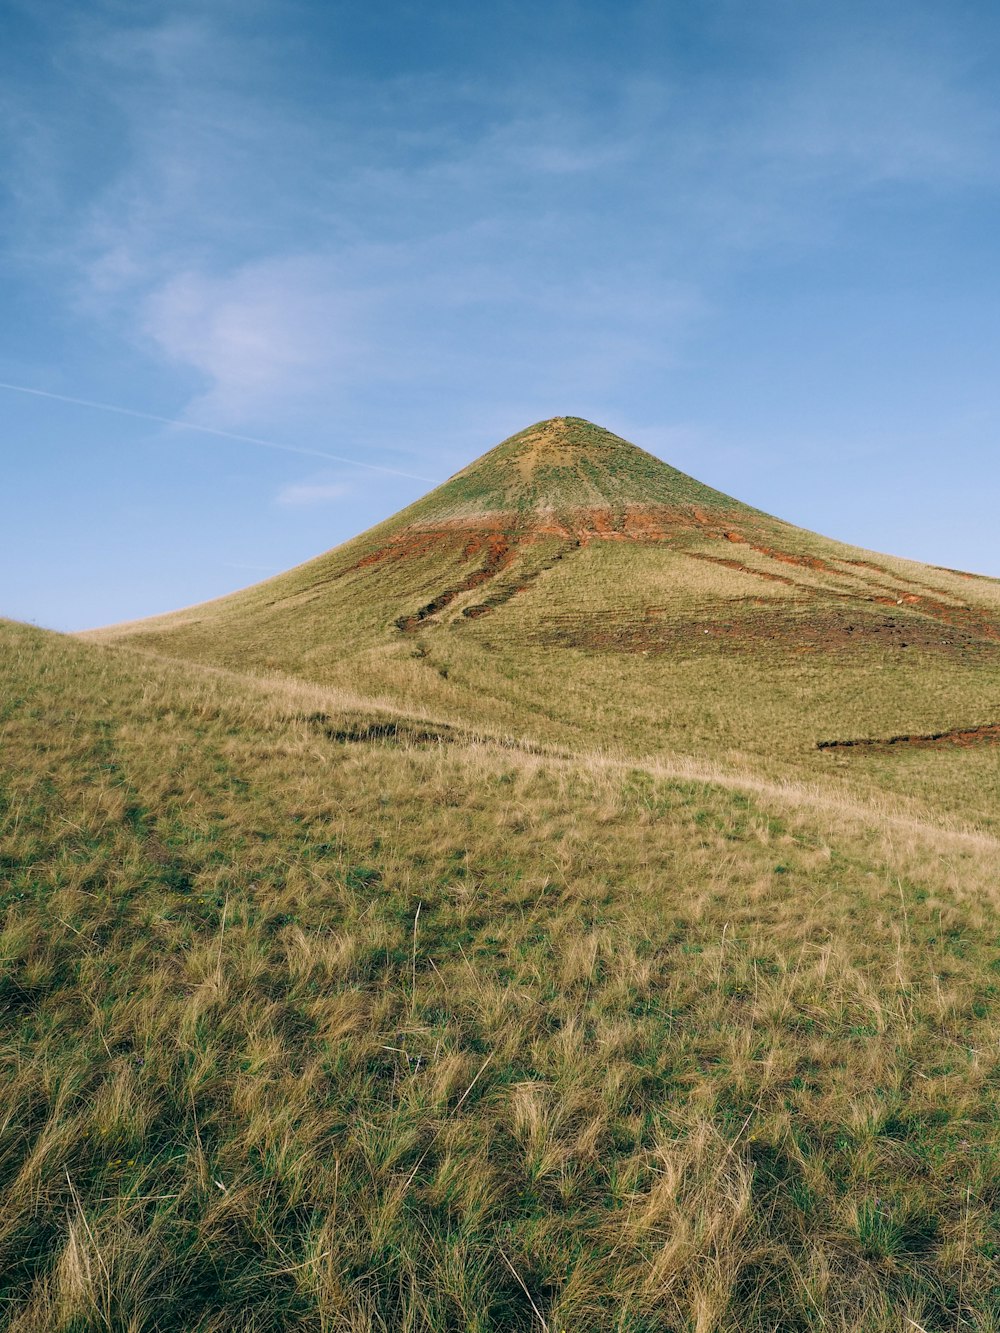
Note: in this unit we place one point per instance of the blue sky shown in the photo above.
(759, 239)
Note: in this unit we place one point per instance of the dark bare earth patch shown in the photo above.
(963, 738)
(384, 731)
(500, 551)
(748, 627)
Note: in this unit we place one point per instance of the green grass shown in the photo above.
(524, 970)
(634, 610)
(304, 1033)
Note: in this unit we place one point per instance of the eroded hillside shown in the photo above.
(569, 587)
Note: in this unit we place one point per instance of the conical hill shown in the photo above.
(569, 576)
(546, 493)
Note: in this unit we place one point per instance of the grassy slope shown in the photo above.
(731, 635)
(306, 1033)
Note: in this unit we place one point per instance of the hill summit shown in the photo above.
(570, 467)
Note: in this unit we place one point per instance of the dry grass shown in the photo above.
(526, 971)
(712, 632)
(442, 1035)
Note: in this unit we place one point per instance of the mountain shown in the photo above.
(568, 582)
(545, 493)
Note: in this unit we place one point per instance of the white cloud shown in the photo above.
(285, 257)
(311, 493)
(259, 337)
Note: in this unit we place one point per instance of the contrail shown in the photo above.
(211, 430)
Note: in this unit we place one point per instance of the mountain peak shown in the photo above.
(564, 465)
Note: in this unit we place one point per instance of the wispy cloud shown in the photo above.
(281, 269)
(287, 260)
(312, 493)
(258, 337)
(199, 429)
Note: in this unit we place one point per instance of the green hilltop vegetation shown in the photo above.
(570, 905)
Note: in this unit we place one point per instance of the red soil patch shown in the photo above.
(963, 619)
(741, 568)
(636, 524)
(408, 545)
(787, 558)
(499, 554)
(499, 539)
(508, 534)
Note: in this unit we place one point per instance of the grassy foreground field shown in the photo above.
(322, 1014)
